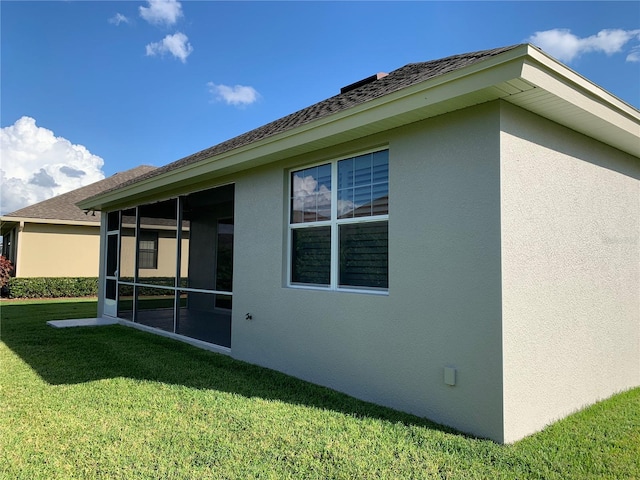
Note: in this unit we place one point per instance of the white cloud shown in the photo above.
(236, 95)
(177, 45)
(634, 54)
(118, 18)
(162, 12)
(566, 46)
(37, 165)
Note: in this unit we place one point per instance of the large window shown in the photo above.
(338, 223)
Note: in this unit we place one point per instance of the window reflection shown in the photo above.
(311, 194)
(348, 247)
(363, 185)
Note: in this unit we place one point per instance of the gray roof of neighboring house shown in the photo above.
(403, 77)
(63, 206)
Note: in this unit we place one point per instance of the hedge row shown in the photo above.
(127, 290)
(52, 287)
(58, 287)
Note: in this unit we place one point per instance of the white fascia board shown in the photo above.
(581, 84)
(51, 221)
(601, 106)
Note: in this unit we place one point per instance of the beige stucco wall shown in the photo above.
(513, 257)
(166, 256)
(47, 250)
(571, 271)
(443, 307)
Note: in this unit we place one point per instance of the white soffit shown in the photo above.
(569, 99)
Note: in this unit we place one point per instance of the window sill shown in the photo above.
(367, 291)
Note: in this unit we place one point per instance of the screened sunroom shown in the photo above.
(169, 265)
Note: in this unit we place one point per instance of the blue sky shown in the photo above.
(92, 88)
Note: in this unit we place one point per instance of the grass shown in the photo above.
(114, 402)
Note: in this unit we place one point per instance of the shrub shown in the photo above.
(6, 268)
(59, 287)
(127, 290)
(53, 287)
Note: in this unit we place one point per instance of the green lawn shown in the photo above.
(114, 402)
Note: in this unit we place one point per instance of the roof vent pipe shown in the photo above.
(362, 82)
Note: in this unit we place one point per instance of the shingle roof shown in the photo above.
(403, 77)
(63, 207)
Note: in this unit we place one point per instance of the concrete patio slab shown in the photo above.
(82, 322)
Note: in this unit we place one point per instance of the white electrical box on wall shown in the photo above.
(449, 375)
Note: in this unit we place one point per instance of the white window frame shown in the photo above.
(334, 224)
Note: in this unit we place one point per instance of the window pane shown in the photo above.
(147, 259)
(324, 207)
(345, 173)
(111, 289)
(380, 202)
(311, 255)
(364, 255)
(311, 194)
(112, 255)
(148, 246)
(345, 203)
(362, 170)
(381, 166)
(113, 221)
(363, 185)
(310, 208)
(324, 178)
(362, 201)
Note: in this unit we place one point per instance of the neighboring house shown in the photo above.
(55, 238)
(458, 239)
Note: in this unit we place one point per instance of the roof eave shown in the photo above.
(515, 76)
(570, 99)
(8, 220)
